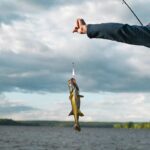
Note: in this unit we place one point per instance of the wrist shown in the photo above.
(84, 29)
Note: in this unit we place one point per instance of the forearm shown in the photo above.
(137, 35)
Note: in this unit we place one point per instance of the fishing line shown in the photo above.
(132, 12)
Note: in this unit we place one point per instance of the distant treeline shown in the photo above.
(55, 123)
(70, 124)
(8, 122)
(128, 125)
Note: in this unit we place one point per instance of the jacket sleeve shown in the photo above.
(136, 35)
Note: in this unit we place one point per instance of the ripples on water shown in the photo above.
(47, 138)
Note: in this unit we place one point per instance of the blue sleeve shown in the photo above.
(136, 35)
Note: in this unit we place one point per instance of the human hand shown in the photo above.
(80, 26)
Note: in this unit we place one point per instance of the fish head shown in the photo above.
(70, 85)
(72, 82)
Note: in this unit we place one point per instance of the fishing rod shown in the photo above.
(132, 12)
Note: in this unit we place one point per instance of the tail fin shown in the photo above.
(77, 127)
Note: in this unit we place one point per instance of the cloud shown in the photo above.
(8, 107)
(142, 13)
(20, 110)
(46, 4)
(103, 106)
(37, 49)
(10, 11)
(118, 107)
(36, 53)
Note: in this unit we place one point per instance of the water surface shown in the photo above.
(48, 138)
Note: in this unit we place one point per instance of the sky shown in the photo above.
(37, 48)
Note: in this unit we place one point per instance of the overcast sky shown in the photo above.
(37, 48)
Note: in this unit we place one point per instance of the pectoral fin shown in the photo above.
(80, 96)
(80, 113)
(71, 113)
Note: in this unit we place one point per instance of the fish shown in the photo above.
(75, 102)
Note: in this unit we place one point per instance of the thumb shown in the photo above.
(81, 22)
(76, 26)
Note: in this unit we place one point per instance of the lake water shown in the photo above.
(48, 138)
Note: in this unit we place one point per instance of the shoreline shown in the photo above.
(127, 125)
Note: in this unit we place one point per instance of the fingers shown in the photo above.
(75, 29)
(81, 22)
(78, 26)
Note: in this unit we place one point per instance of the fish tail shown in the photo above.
(77, 127)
